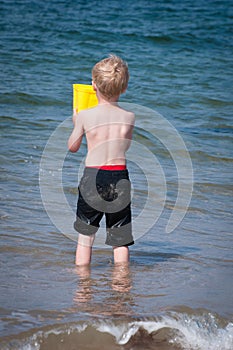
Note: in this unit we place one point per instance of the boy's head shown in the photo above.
(111, 76)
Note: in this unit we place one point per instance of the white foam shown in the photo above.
(33, 342)
(203, 333)
(194, 332)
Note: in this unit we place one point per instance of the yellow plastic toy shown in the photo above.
(83, 97)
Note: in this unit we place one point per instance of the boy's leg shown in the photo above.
(121, 254)
(84, 249)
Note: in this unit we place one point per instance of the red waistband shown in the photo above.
(109, 167)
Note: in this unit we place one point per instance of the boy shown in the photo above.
(105, 186)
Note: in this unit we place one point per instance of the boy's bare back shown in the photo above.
(108, 129)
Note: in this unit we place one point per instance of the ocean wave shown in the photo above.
(190, 332)
(175, 331)
(22, 98)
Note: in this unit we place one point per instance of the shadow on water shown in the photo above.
(145, 258)
(153, 253)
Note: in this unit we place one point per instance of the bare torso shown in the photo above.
(108, 130)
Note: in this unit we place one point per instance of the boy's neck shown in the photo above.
(103, 101)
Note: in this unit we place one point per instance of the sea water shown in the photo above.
(177, 291)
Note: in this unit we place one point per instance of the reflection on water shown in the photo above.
(121, 278)
(84, 290)
(116, 286)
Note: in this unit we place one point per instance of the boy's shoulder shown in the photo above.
(126, 113)
(129, 116)
(101, 109)
(100, 114)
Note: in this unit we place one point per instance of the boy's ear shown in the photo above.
(124, 89)
(94, 86)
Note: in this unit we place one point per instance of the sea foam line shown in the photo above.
(192, 332)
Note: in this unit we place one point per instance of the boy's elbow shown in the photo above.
(74, 142)
(72, 147)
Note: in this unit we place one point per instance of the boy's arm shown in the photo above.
(75, 138)
(75, 114)
(129, 135)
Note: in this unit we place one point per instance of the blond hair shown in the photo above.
(111, 76)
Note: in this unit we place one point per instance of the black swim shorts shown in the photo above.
(105, 192)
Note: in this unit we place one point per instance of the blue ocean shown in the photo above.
(177, 292)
